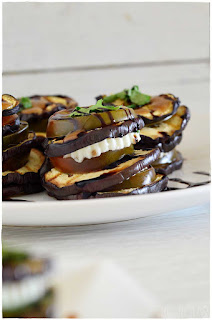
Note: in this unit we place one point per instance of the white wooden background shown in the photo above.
(85, 49)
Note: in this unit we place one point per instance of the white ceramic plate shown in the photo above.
(46, 211)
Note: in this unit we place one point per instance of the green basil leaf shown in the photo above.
(133, 94)
(26, 103)
(98, 107)
(133, 106)
(120, 95)
(136, 97)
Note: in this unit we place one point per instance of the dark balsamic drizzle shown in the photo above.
(203, 173)
(98, 116)
(189, 184)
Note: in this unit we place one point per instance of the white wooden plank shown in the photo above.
(49, 35)
(189, 82)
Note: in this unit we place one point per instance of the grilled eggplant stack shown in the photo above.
(164, 118)
(20, 161)
(26, 289)
(91, 150)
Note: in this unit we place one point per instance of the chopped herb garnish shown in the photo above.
(133, 95)
(98, 107)
(137, 97)
(25, 103)
(120, 95)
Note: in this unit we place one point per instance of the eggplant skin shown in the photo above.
(38, 142)
(8, 129)
(120, 171)
(30, 173)
(90, 137)
(23, 147)
(175, 104)
(18, 189)
(168, 168)
(6, 113)
(164, 141)
(164, 146)
(157, 186)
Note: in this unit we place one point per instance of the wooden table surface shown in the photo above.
(167, 254)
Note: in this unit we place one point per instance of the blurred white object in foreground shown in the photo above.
(102, 290)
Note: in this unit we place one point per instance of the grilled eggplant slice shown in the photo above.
(144, 177)
(62, 184)
(80, 139)
(151, 109)
(63, 123)
(12, 127)
(40, 137)
(166, 134)
(16, 157)
(17, 137)
(160, 107)
(159, 184)
(168, 167)
(13, 190)
(39, 108)
(26, 174)
(10, 105)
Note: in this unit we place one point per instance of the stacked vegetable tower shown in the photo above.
(164, 118)
(90, 153)
(21, 163)
(26, 288)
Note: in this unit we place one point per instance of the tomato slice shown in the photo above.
(9, 119)
(69, 165)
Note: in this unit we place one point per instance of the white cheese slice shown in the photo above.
(109, 144)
